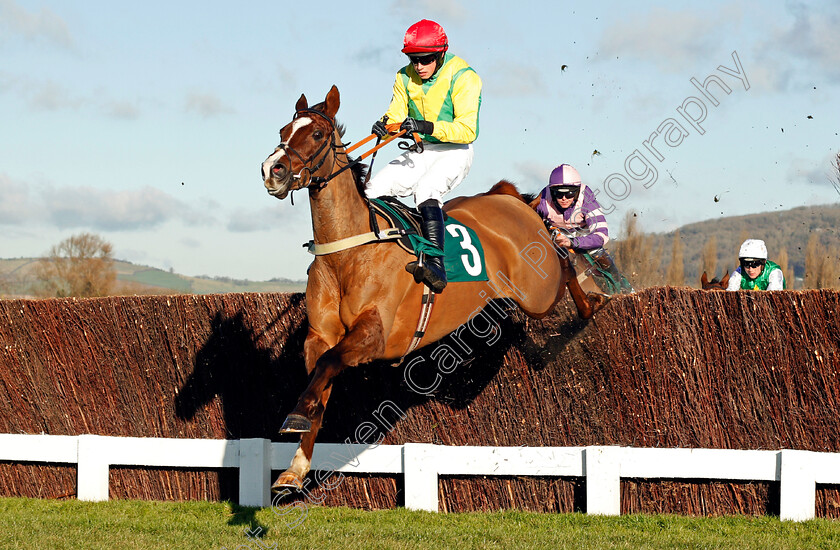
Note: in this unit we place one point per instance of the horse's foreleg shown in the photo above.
(302, 461)
(293, 477)
(585, 305)
(364, 342)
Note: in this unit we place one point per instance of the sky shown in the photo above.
(146, 122)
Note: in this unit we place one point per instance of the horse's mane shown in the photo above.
(360, 175)
(505, 187)
(359, 171)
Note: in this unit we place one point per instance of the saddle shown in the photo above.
(405, 218)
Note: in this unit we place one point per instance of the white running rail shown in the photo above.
(421, 464)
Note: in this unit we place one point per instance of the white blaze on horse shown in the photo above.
(361, 303)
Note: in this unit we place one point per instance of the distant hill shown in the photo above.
(788, 229)
(16, 279)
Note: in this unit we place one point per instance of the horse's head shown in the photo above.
(307, 147)
(714, 284)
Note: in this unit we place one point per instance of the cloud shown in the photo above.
(16, 204)
(121, 110)
(41, 95)
(24, 204)
(116, 210)
(268, 219)
(822, 174)
(444, 11)
(515, 80)
(43, 26)
(206, 105)
(50, 96)
(809, 46)
(246, 221)
(668, 38)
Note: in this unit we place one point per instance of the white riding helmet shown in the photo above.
(753, 248)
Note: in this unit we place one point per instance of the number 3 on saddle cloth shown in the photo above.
(463, 255)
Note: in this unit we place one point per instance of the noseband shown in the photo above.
(308, 165)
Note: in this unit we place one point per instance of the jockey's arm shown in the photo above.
(734, 280)
(776, 280)
(398, 109)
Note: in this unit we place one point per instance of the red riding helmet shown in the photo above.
(425, 37)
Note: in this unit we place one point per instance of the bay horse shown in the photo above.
(361, 304)
(714, 284)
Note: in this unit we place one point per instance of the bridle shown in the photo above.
(309, 165)
(321, 181)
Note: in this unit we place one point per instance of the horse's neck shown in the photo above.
(338, 210)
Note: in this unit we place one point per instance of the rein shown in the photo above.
(321, 181)
(320, 249)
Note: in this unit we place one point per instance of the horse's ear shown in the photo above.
(301, 103)
(704, 279)
(725, 279)
(332, 102)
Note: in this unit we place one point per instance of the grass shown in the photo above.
(31, 523)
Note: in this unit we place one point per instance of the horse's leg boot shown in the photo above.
(431, 271)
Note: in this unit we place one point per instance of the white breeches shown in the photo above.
(427, 175)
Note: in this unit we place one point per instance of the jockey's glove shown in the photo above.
(412, 125)
(379, 129)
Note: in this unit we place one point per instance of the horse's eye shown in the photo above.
(318, 135)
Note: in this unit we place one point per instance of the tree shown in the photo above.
(710, 257)
(783, 261)
(81, 265)
(835, 172)
(636, 257)
(822, 267)
(676, 269)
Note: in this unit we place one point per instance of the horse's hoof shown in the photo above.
(295, 423)
(285, 481)
(598, 300)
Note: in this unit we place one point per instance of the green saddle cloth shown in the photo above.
(463, 255)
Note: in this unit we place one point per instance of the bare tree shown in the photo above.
(710, 257)
(676, 269)
(636, 257)
(835, 173)
(783, 261)
(81, 265)
(822, 266)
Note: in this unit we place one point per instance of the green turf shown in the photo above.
(28, 523)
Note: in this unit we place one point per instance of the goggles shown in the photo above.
(422, 59)
(560, 192)
(748, 263)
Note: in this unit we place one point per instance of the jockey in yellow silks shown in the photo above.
(438, 96)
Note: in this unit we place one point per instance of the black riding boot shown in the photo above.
(431, 271)
(607, 264)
